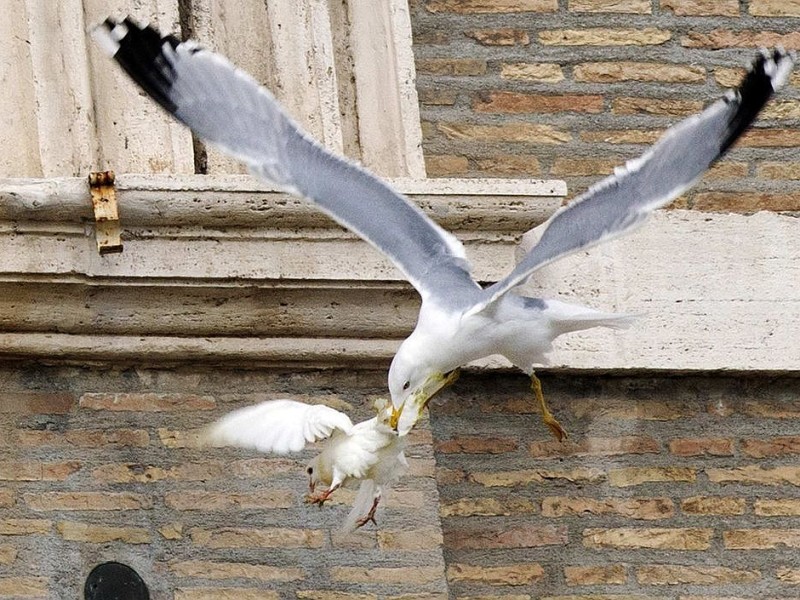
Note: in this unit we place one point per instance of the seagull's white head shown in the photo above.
(412, 383)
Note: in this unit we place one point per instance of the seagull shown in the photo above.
(459, 320)
(370, 452)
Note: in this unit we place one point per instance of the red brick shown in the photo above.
(494, 506)
(102, 534)
(727, 38)
(518, 102)
(208, 500)
(204, 569)
(701, 447)
(415, 540)
(25, 587)
(85, 438)
(772, 410)
(522, 536)
(777, 446)
(34, 403)
(264, 468)
(654, 538)
(528, 133)
(629, 476)
(8, 554)
(131, 472)
(783, 475)
(727, 169)
(509, 574)
(774, 8)
(595, 575)
(788, 575)
(25, 526)
(528, 476)
(777, 507)
(500, 37)
(694, 8)
(779, 170)
(770, 138)
(477, 445)
(67, 501)
(224, 593)
(746, 202)
(713, 505)
(694, 575)
(641, 7)
(270, 537)
(146, 402)
(656, 106)
(600, 36)
(451, 66)
(622, 136)
(386, 575)
(613, 446)
(610, 72)
(446, 165)
(628, 410)
(761, 539)
(437, 97)
(579, 167)
(540, 72)
(37, 471)
(471, 7)
(510, 165)
(632, 508)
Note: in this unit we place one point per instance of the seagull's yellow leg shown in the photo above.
(547, 416)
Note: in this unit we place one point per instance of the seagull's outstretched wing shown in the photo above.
(277, 426)
(623, 200)
(226, 107)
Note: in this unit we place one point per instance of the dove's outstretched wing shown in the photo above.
(277, 426)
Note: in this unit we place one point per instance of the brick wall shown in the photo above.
(567, 89)
(102, 465)
(680, 487)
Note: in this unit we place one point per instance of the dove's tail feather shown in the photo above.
(366, 495)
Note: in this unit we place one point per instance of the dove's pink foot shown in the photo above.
(370, 516)
(321, 497)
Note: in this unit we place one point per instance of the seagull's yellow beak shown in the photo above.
(396, 412)
(414, 405)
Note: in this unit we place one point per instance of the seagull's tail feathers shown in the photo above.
(570, 317)
(367, 492)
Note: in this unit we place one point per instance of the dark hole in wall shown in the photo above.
(114, 581)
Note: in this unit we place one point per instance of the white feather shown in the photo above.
(369, 451)
(277, 426)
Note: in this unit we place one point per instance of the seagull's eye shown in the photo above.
(310, 471)
(406, 385)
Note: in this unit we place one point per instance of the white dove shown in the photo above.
(370, 451)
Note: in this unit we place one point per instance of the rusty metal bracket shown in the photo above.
(106, 215)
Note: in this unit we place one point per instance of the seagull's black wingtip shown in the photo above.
(769, 73)
(140, 51)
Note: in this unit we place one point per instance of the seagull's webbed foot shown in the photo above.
(547, 417)
(370, 516)
(320, 498)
